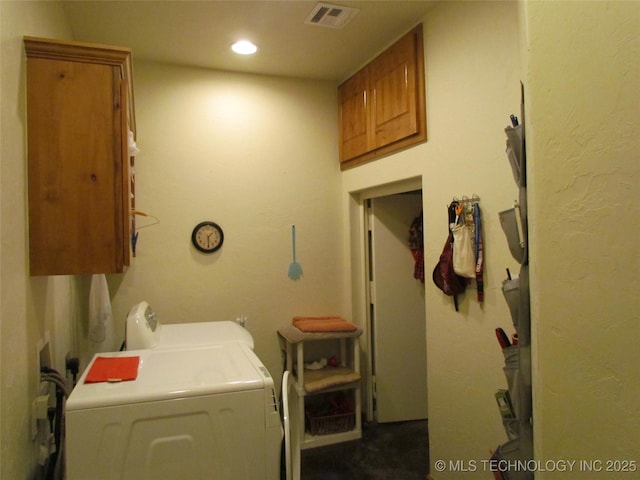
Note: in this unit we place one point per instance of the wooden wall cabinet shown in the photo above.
(79, 113)
(382, 107)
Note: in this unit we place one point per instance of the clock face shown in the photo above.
(207, 237)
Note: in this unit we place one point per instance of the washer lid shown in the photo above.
(165, 374)
(144, 330)
(203, 333)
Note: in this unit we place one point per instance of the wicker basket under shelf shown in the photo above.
(327, 424)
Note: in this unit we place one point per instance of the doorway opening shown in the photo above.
(392, 303)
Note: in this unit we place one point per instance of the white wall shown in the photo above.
(473, 85)
(255, 154)
(583, 143)
(31, 308)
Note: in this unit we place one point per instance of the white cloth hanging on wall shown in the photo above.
(464, 261)
(101, 330)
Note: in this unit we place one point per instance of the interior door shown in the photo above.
(398, 312)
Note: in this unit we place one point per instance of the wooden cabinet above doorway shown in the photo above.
(382, 107)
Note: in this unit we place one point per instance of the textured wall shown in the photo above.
(255, 154)
(583, 110)
(31, 308)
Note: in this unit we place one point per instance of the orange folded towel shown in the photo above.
(113, 369)
(323, 324)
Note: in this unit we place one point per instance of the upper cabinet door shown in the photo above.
(78, 120)
(382, 107)
(354, 120)
(394, 87)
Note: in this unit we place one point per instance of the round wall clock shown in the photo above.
(207, 237)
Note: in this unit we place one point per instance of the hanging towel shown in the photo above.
(101, 332)
(464, 261)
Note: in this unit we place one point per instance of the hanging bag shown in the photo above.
(464, 256)
(444, 276)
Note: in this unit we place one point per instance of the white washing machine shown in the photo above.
(143, 330)
(197, 413)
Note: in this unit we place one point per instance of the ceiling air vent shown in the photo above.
(330, 16)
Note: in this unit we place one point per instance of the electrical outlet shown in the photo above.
(41, 405)
(39, 418)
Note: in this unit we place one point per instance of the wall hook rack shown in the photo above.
(474, 199)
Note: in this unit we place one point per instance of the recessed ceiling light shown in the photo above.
(244, 47)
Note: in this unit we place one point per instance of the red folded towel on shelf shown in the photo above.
(323, 324)
(113, 369)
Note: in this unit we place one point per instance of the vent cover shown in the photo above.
(330, 16)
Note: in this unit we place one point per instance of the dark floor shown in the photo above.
(387, 451)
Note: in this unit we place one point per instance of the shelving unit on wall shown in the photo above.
(331, 387)
(517, 415)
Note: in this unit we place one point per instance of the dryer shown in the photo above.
(201, 412)
(144, 330)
